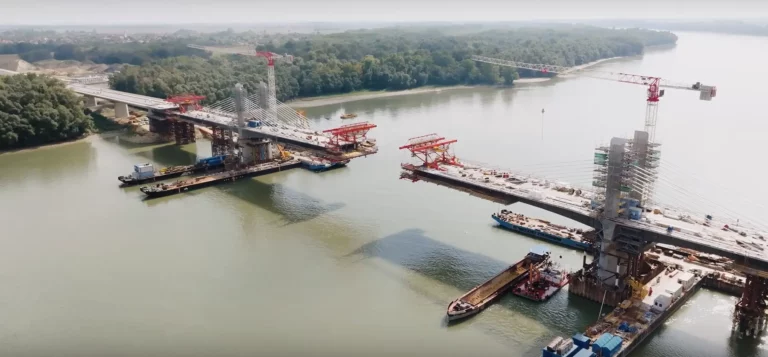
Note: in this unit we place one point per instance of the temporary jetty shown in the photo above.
(162, 189)
(483, 295)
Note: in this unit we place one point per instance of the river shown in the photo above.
(354, 261)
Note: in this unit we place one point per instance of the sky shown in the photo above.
(93, 12)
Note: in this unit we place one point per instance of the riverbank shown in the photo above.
(311, 102)
(46, 146)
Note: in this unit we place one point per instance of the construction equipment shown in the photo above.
(654, 92)
(271, 58)
(186, 102)
(284, 155)
(639, 292)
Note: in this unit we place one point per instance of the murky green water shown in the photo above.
(354, 261)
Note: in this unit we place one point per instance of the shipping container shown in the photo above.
(143, 168)
(601, 341)
(585, 353)
(581, 340)
(612, 346)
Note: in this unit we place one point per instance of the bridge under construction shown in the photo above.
(627, 222)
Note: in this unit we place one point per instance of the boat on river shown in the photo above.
(483, 295)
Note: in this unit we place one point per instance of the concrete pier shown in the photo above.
(121, 110)
(91, 102)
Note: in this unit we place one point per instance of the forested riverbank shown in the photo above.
(386, 59)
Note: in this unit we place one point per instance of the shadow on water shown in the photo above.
(168, 155)
(291, 205)
(464, 270)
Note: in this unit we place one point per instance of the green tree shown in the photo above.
(38, 110)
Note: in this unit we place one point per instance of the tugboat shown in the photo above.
(543, 282)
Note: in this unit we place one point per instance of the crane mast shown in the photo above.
(655, 90)
(270, 57)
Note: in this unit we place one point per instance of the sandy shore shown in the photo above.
(351, 97)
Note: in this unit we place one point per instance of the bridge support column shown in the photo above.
(220, 141)
(749, 316)
(91, 102)
(121, 110)
(183, 132)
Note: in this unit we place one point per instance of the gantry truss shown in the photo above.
(348, 135)
(432, 150)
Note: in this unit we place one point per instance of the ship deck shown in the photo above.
(492, 286)
(541, 225)
(640, 316)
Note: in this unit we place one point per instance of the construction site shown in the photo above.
(647, 259)
(251, 135)
(631, 236)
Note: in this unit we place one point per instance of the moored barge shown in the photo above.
(143, 173)
(162, 189)
(544, 230)
(483, 295)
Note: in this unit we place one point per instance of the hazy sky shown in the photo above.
(92, 12)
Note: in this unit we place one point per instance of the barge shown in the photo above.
(143, 173)
(542, 283)
(627, 326)
(483, 295)
(544, 230)
(163, 189)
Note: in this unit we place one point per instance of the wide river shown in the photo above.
(355, 262)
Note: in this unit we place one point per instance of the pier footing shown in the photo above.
(590, 287)
(749, 316)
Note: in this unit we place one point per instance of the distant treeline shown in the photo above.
(391, 58)
(734, 27)
(107, 53)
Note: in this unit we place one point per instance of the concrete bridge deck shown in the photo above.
(133, 100)
(748, 250)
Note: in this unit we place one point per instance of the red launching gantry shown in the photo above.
(432, 150)
(350, 134)
(187, 102)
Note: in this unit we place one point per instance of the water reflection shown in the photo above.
(49, 163)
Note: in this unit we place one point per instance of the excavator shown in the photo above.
(284, 155)
(639, 292)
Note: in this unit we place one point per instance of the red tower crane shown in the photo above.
(654, 84)
(271, 58)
